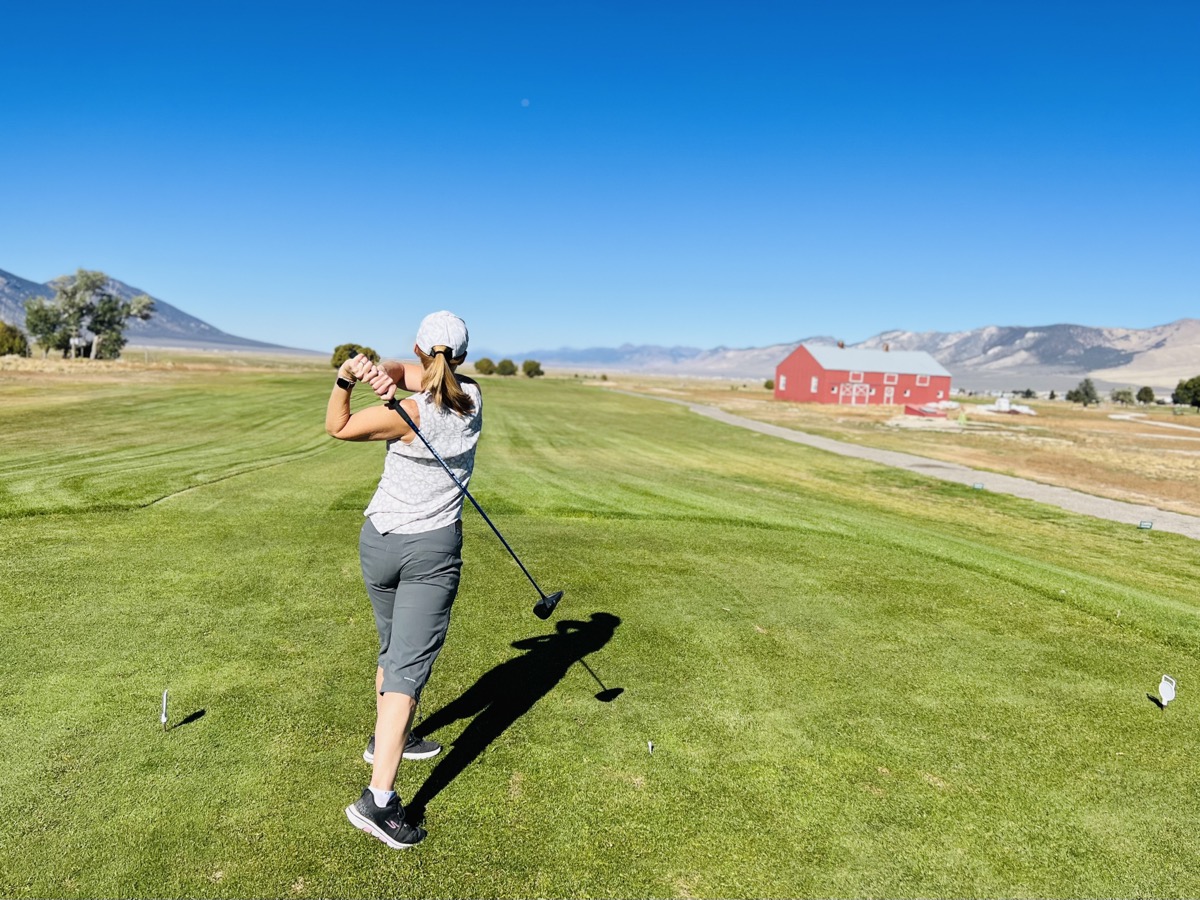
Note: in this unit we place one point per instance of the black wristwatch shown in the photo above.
(344, 384)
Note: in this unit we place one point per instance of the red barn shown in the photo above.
(821, 374)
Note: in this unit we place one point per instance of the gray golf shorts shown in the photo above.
(412, 580)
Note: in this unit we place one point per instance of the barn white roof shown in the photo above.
(901, 362)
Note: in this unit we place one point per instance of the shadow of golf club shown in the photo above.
(606, 694)
(189, 719)
(505, 693)
(1156, 701)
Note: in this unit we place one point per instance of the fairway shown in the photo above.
(857, 682)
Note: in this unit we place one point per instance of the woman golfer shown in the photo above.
(410, 547)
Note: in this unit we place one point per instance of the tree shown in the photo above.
(75, 300)
(343, 352)
(506, 367)
(485, 366)
(769, 384)
(532, 368)
(44, 322)
(1053, 395)
(87, 297)
(1187, 392)
(1145, 395)
(1084, 393)
(1124, 396)
(110, 315)
(12, 341)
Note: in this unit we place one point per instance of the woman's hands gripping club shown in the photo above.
(360, 368)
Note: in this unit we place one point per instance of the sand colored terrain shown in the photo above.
(1162, 365)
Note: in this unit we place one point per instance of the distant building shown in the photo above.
(821, 374)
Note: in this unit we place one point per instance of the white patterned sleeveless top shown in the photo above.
(415, 494)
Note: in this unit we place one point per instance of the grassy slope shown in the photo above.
(1065, 444)
(857, 682)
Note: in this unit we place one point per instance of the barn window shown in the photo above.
(907, 392)
(922, 381)
(856, 376)
(872, 392)
(940, 393)
(890, 378)
(783, 382)
(833, 390)
(812, 388)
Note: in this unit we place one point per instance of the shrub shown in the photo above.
(343, 352)
(1187, 393)
(485, 366)
(1084, 393)
(532, 368)
(769, 384)
(12, 340)
(506, 367)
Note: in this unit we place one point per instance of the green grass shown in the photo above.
(858, 682)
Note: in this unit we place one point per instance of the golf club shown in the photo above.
(606, 695)
(546, 604)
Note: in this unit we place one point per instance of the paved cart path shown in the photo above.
(1064, 498)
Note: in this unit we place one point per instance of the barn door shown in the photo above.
(854, 394)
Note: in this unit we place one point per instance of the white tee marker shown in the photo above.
(1166, 690)
(164, 711)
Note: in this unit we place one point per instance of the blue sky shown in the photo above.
(592, 174)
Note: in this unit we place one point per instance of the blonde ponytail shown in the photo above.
(442, 384)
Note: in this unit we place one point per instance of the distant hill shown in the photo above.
(14, 291)
(720, 362)
(168, 327)
(989, 358)
(1059, 355)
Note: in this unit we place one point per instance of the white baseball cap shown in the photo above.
(443, 329)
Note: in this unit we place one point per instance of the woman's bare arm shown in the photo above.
(407, 375)
(375, 423)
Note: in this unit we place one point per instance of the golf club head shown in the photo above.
(545, 606)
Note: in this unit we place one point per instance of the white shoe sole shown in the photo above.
(369, 757)
(428, 754)
(366, 825)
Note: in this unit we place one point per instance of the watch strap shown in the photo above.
(344, 384)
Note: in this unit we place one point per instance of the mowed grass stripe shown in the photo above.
(114, 448)
(857, 682)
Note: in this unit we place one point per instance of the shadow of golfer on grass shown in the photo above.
(505, 693)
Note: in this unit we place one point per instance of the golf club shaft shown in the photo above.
(395, 404)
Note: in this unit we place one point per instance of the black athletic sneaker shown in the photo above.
(414, 748)
(386, 822)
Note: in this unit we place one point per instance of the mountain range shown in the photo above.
(989, 358)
